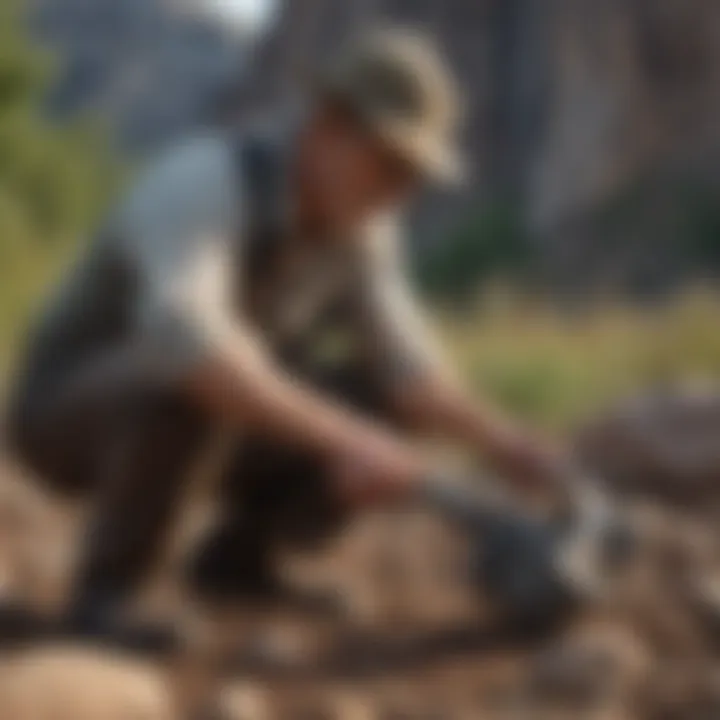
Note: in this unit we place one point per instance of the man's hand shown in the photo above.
(376, 474)
(368, 464)
(527, 460)
(435, 405)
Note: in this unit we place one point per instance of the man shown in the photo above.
(225, 290)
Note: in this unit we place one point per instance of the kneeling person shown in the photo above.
(203, 302)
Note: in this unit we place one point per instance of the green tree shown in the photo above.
(54, 179)
(488, 245)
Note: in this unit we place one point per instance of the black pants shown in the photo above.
(134, 453)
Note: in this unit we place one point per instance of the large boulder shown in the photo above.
(55, 683)
(664, 445)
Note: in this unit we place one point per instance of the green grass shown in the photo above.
(551, 367)
(26, 279)
(556, 368)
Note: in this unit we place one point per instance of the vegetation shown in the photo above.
(549, 366)
(557, 368)
(53, 179)
(493, 242)
(556, 364)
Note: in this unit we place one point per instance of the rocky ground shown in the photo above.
(413, 644)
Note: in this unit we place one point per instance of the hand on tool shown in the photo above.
(537, 571)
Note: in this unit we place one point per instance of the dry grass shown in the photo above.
(558, 367)
(413, 647)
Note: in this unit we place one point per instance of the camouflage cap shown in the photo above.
(399, 83)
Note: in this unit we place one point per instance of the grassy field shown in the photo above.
(544, 363)
(26, 279)
(556, 367)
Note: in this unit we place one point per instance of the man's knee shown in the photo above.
(65, 446)
(289, 491)
(29, 440)
(284, 492)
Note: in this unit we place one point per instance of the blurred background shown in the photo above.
(577, 265)
(574, 279)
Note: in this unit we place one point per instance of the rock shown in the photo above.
(588, 667)
(243, 702)
(687, 692)
(62, 683)
(570, 104)
(147, 66)
(663, 446)
(704, 596)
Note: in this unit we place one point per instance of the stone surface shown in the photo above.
(663, 445)
(572, 104)
(149, 68)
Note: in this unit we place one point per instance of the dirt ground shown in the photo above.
(413, 643)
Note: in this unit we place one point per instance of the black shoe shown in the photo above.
(235, 568)
(98, 622)
(20, 624)
(231, 564)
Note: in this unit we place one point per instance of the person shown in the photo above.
(251, 282)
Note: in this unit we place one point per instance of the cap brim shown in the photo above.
(437, 160)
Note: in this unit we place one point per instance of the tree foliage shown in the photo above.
(53, 179)
(488, 245)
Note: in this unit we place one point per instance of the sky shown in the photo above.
(252, 15)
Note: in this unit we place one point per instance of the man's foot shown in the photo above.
(21, 624)
(234, 567)
(97, 621)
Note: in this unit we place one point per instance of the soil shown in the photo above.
(413, 642)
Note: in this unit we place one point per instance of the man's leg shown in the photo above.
(130, 454)
(277, 495)
(273, 496)
(141, 470)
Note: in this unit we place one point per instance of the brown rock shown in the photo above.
(663, 446)
(55, 683)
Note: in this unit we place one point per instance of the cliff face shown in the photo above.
(622, 184)
(147, 66)
(573, 102)
(634, 87)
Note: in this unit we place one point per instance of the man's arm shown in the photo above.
(219, 362)
(440, 407)
(239, 384)
(181, 237)
(235, 382)
(422, 387)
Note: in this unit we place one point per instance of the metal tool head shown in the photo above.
(595, 541)
(538, 571)
(514, 566)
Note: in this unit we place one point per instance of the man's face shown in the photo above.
(347, 174)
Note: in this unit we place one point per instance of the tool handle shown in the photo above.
(463, 502)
